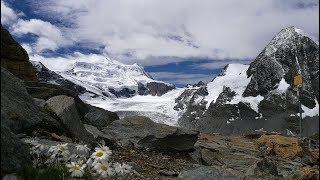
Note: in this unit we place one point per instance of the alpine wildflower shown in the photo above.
(76, 169)
(83, 148)
(122, 168)
(103, 168)
(101, 153)
(60, 149)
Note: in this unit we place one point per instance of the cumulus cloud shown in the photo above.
(214, 29)
(63, 63)
(49, 36)
(216, 64)
(8, 15)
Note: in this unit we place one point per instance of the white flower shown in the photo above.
(122, 169)
(76, 169)
(31, 141)
(60, 149)
(103, 169)
(102, 153)
(38, 149)
(82, 148)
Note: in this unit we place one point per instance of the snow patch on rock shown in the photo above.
(236, 79)
(310, 112)
(282, 86)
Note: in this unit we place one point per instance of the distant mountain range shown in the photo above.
(243, 98)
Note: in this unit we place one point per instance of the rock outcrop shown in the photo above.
(46, 91)
(100, 118)
(158, 89)
(18, 108)
(144, 133)
(199, 84)
(246, 157)
(281, 146)
(65, 108)
(192, 101)
(15, 59)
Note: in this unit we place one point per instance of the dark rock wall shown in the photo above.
(15, 59)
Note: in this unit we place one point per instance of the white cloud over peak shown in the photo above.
(7, 14)
(150, 31)
(209, 28)
(49, 36)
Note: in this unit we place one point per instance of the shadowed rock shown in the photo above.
(15, 59)
(14, 153)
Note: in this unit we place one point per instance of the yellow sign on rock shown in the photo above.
(297, 81)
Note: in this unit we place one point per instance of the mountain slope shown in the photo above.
(46, 75)
(107, 77)
(260, 96)
(288, 53)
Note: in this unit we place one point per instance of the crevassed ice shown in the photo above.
(158, 108)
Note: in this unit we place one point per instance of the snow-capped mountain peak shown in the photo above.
(285, 39)
(104, 76)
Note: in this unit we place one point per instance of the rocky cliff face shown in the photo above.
(243, 99)
(158, 88)
(46, 75)
(288, 53)
(15, 59)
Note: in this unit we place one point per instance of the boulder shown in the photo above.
(144, 133)
(46, 91)
(65, 108)
(100, 136)
(15, 59)
(230, 152)
(100, 118)
(14, 153)
(281, 146)
(266, 167)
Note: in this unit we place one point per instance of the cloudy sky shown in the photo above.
(180, 41)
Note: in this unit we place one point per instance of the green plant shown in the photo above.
(49, 173)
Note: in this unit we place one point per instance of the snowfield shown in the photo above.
(158, 108)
